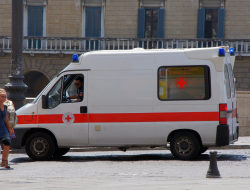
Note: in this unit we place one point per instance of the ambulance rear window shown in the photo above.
(184, 83)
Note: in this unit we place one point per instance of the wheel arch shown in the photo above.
(35, 130)
(173, 133)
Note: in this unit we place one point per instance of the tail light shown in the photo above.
(223, 114)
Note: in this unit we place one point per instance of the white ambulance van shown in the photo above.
(135, 98)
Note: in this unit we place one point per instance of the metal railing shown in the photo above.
(68, 45)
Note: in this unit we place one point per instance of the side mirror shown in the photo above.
(44, 101)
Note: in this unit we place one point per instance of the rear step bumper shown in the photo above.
(222, 137)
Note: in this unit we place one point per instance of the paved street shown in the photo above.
(127, 170)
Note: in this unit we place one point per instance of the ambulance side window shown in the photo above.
(184, 83)
(72, 88)
(54, 95)
(226, 75)
(231, 80)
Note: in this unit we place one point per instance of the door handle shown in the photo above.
(83, 109)
(229, 111)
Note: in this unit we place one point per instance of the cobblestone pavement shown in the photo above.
(127, 170)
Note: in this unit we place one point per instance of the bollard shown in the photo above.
(213, 171)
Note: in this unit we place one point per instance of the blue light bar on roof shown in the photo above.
(75, 58)
(231, 51)
(221, 52)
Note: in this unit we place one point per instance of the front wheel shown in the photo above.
(40, 146)
(184, 146)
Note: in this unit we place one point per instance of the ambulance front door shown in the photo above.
(65, 114)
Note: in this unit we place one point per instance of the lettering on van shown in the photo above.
(181, 82)
(68, 118)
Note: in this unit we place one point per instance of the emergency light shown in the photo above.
(221, 52)
(75, 58)
(231, 51)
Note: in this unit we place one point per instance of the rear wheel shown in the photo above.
(40, 146)
(203, 149)
(184, 146)
(61, 151)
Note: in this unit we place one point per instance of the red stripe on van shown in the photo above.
(124, 117)
(153, 117)
(57, 118)
(51, 119)
(22, 119)
(120, 117)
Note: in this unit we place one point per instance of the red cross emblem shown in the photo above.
(181, 82)
(68, 118)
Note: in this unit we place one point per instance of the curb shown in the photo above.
(102, 149)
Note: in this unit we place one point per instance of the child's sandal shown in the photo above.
(4, 163)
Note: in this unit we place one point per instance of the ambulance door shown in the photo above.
(66, 118)
(233, 98)
(229, 99)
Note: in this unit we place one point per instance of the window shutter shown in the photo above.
(39, 23)
(89, 31)
(221, 23)
(161, 23)
(31, 21)
(201, 23)
(141, 23)
(35, 21)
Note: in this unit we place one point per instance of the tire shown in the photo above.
(61, 151)
(40, 146)
(202, 150)
(184, 146)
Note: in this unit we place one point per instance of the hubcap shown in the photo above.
(184, 146)
(39, 146)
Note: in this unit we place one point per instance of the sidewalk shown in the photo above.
(242, 143)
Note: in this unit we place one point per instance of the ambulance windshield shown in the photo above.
(40, 94)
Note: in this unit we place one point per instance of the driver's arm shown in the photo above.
(73, 97)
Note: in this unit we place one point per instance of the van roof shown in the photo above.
(192, 53)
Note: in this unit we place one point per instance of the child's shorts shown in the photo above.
(5, 140)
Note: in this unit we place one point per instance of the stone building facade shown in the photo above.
(176, 19)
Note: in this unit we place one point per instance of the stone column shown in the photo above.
(16, 87)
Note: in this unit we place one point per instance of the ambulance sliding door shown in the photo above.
(120, 107)
(66, 118)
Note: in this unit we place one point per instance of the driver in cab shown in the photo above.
(79, 86)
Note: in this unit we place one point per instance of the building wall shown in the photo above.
(4, 69)
(121, 18)
(64, 18)
(242, 74)
(237, 23)
(5, 17)
(181, 18)
(47, 66)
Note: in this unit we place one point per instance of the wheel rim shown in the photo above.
(39, 146)
(184, 146)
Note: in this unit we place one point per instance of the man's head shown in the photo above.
(79, 82)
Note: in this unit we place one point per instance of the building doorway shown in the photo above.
(36, 82)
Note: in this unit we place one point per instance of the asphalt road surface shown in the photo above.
(127, 170)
